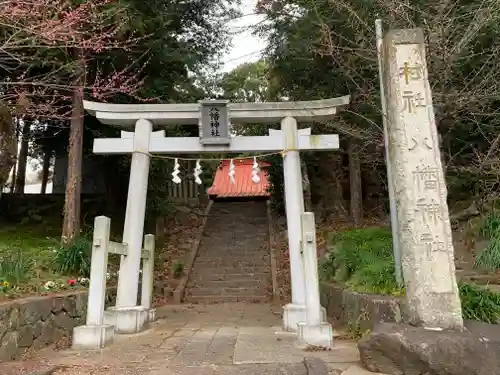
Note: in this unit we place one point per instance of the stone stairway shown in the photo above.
(233, 262)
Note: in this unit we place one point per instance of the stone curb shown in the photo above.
(315, 366)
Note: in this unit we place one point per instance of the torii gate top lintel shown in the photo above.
(126, 115)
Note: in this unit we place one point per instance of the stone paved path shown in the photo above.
(228, 339)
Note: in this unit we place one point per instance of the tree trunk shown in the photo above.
(13, 179)
(328, 183)
(71, 222)
(23, 159)
(45, 171)
(8, 146)
(355, 183)
(306, 186)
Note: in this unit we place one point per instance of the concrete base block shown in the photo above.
(295, 314)
(127, 319)
(151, 315)
(110, 316)
(317, 335)
(92, 337)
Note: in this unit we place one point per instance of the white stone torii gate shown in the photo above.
(144, 142)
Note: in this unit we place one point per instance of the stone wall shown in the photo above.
(359, 310)
(36, 322)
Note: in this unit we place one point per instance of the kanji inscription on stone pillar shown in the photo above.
(420, 189)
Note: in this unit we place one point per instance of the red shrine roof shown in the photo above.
(243, 186)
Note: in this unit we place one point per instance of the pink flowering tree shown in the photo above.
(51, 48)
(52, 54)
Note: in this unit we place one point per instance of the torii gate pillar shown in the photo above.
(295, 312)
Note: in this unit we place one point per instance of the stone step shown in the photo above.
(238, 249)
(240, 224)
(230, 277)
(234, 220)
(224, 284)
(249, 214)
(241, 270)
(243, 237)
(237, 211)
(242, 213)
(235, 242)
(202, 291)
(234, 249)
(236, 232)
(233, 259)
(228, 263)
(229, 259)
(227, 248)
(222, 299)
(202, 258)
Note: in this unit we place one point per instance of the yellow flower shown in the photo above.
(6, 284)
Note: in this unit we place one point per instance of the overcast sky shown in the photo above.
(246, 47)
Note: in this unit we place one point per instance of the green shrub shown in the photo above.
(16, 267)
(479, 303)
(489, 258)
(362, 258)
(491, 226)
(159, 206)
(75, 259)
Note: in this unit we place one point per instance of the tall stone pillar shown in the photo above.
(419, 185)
(294, 204)
(295, 312)
(127, 316)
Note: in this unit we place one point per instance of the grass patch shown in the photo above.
(32, 261)
(14, 267)
(363, 260)
(28, 244)
(479, 303)
(489, 258)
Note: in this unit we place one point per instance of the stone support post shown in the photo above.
(314, 331)
(148, 276)
(95, 334)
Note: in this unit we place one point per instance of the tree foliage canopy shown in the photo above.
(327, 48)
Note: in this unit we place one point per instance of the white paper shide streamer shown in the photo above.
(197, 172)
(175, 174)
(255, 171)
(232, 172)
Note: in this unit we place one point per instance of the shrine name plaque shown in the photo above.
(214, 122)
